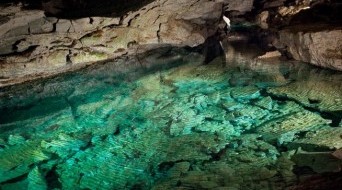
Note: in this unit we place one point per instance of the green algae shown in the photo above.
(192, 126)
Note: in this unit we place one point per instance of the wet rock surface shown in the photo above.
(192, 126)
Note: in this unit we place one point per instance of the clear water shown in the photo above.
(193, 126)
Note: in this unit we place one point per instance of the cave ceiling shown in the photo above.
(81, 8)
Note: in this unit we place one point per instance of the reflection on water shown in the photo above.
(189, 127)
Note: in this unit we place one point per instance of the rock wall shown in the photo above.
(33, 44)
(322, 47)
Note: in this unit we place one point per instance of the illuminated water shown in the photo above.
(188, 127)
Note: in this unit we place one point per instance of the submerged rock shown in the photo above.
(36, 180)
(243, 94)
(322, 139)
(320, 162)
(15, 161)
(314, 93)
(286, 129)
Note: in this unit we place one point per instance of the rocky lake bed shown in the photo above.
(273, 125)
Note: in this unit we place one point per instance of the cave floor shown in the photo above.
(217, 126)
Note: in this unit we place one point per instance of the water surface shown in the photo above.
(244, 126)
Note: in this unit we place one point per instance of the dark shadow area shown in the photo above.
(316, 169)
(331, 181)
(81, 8)
(320, 13)
(212, 49)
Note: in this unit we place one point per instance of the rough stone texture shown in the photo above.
(270, 55)
(261, 19)
(324, 139)
(321, 47)
(32, 44)
(285, 129)
(241, 7)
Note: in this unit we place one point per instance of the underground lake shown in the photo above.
(170, 95)
(177, 124)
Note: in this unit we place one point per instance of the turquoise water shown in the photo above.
(181, 125)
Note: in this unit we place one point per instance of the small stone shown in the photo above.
(266, 103)
(244, 94)
(262, 19)
(232, 106)
(23, 45)
(15, 139)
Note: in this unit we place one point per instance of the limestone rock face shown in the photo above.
(319, 47)
(33, 44)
